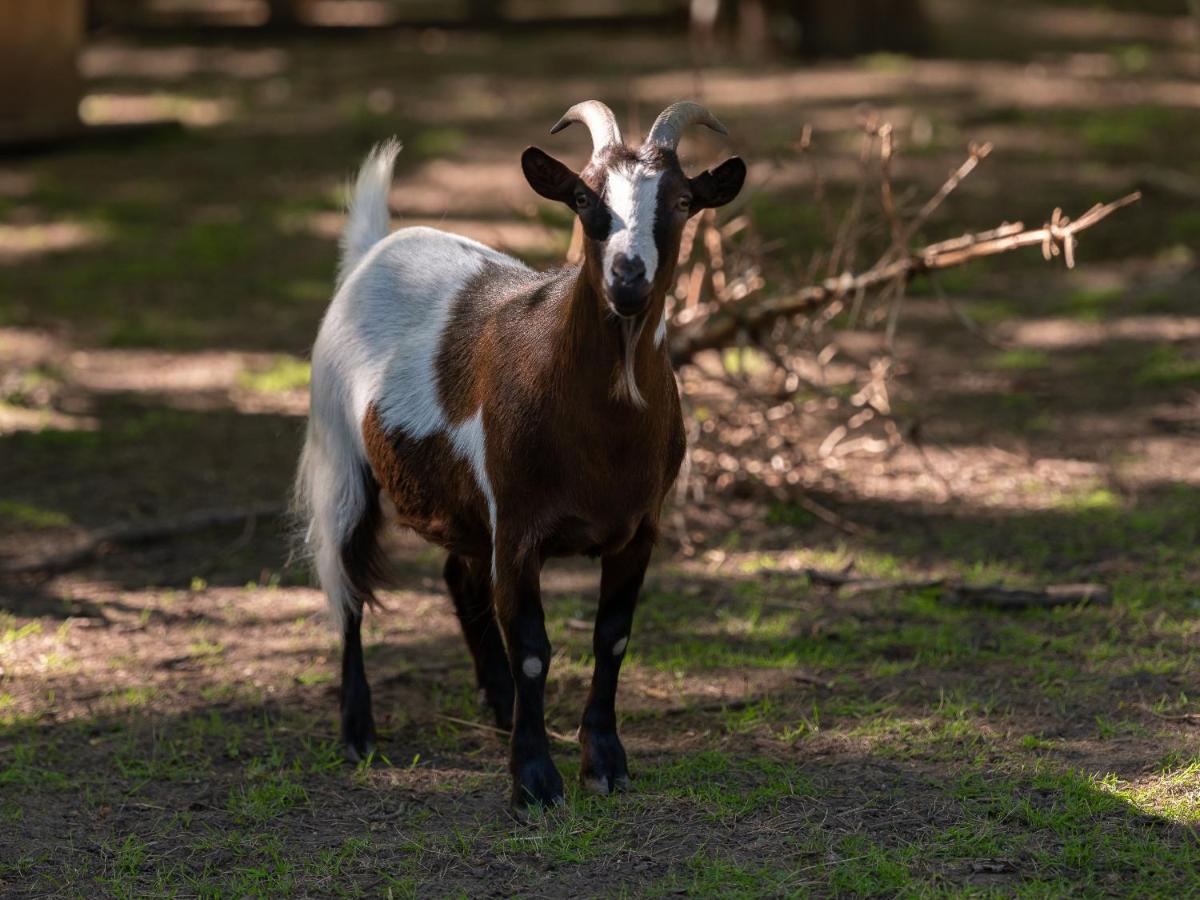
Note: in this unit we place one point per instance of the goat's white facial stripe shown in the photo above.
(532, 667)
(632, 199)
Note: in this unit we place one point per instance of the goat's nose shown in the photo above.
(627, 269)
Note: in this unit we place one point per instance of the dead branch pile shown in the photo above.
(778, 345)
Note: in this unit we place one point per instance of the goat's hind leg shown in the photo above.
(470, 587)
(358, 722)
(350, 581)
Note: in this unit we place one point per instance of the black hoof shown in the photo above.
(536, 784)
(603, 768)
(358, 734)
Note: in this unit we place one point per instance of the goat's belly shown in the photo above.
(431, 487)
(591, 536)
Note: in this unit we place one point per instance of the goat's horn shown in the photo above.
(599, 120)
(671, 121)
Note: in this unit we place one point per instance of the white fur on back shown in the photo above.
(632, 197)
(378, 344)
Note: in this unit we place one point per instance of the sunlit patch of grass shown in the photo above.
(1091, 500)
(286, 373)
(12, 633)
(206, 651)
(128, 698)
(1173, 794)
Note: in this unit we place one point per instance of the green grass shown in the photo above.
(25, 515)
(286, 373)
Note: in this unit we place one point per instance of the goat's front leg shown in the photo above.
(603, 767)
(519, 610)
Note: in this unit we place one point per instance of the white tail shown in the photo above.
(368, 221)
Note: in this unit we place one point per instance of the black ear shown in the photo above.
(548, 176)
(716, 187)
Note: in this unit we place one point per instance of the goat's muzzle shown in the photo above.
(628, 288)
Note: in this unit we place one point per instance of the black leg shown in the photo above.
(603, 767)
(470, 583)
(358, 723)
(519, 610)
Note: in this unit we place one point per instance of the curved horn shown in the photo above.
(599, 120)
(671, 121)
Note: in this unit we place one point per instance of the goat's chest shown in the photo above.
(592, 491)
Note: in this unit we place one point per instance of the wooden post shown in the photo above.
(39, 49)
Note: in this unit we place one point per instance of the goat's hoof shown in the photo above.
(536, 785)
(358, 736)
(359, 753)
(603, 769)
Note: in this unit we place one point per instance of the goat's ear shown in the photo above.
(718, 186)
(548, 176)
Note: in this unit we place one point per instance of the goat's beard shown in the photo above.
(631, 332)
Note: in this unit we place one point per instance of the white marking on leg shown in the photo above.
(632, 198)
(532, 667)
(619, 646)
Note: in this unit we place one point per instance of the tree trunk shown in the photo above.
(850, 27)
(39, 46)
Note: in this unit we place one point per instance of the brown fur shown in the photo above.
(573, 469)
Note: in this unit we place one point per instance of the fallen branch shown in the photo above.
(102, 540)
(994, 596)
(1059, 235)
(839, 580)
(492, 729)
(1013, 599)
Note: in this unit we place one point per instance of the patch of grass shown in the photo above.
(1093, 304)
(1166, 366)
(286, 373)
(717, 874)
(265, 797)
(725, 786)
(437, 143)
(1020, 360)
(29, 516)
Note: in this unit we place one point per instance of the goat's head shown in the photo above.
(633, 204)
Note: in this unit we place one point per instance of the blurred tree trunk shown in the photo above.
(39, 46)
(850, 27)
(288, 14)
(814, 27)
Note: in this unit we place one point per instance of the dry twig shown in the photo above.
(102, 540)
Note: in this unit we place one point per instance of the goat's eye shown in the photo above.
(582, 201)
(684, 203)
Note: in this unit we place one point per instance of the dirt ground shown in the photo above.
(167, 710)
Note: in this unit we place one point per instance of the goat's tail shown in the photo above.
(337, 513)
(368, 221)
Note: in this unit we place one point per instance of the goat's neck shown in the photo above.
(594, 344)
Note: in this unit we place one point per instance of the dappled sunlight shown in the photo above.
(1057, 334)
(22, 243)
(812, 700)
(117, 59)
(130, 109)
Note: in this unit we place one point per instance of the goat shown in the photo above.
(510, 416)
